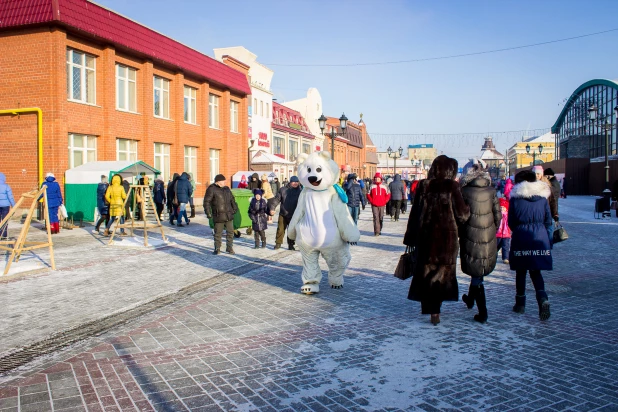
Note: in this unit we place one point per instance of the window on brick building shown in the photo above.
(126, 150)
(162, 160)
(161, 97)
(81, 78)
(213, 111)
(82, 149)
(214, 164)
(233, 116)
(307, 148)
(126, 89)
(191, 161)
(190, 105)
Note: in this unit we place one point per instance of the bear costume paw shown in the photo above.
(310, 288)
(336, 287)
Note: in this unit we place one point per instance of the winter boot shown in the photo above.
(520, 304)
(469, 298)
(481, 303)
(257, 241)
(543, 302)
(230, 250)
(263, 244)
(277, 246)
(192, 212)
(216, 251)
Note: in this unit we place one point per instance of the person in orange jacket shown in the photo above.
(378, 196)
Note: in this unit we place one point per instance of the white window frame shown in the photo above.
(85, 74)
(255, 106)
(129, 84)
(190, 105)
(164, 92)
(214, 156)
(262, 108)
(191, 161)
(131, 151)
(162, 159)
(84, 149)
(290, 154)
(234, 120)
(267, 110)
(283, 148)
(213, 111)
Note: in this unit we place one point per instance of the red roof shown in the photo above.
(98, 22)
(283, 116)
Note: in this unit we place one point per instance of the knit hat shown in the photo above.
(504, 203)
(377, 175)
(548, 172)
(219, 178)
(294, 179)
(258, 192)
(537, 169)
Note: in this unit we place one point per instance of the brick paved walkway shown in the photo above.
(252, 342)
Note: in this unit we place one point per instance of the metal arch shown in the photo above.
(595, 82)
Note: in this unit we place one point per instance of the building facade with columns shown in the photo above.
(108, 95)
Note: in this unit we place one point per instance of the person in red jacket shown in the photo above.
(378, 196)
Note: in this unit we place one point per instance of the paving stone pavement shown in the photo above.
(253, 342)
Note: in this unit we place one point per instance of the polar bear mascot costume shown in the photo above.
(322, 223)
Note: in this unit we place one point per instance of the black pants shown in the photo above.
(395, 208)
(102, 218)
(4, 211)
(173, 212)
(537, 281)
(257, 235)
(159, 209)
(404, 205)
(229, 234)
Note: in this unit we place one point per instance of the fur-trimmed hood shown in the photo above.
(527, 190)
(478, 178)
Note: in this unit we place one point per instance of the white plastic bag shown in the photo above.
(63, 212)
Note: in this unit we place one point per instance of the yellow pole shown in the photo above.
(39, 114)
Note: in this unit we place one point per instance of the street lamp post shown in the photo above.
(607, 127)
(395, 155)
(540, 147)
(343, 123)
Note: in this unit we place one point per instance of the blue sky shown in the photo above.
(514, 90)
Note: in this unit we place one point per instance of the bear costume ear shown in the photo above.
(301, 158)
(325, 154)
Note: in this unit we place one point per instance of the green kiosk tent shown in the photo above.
(80, 184)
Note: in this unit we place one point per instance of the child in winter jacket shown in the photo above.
(504, 233)
(259, 213)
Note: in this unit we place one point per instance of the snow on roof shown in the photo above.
(491, 154)
(262, 157)
(547, 137)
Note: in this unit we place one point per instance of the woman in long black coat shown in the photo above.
(259, 213)
(530, 219)
(438, 210)
(477, 238)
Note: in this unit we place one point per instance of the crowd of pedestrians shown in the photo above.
(468, 216)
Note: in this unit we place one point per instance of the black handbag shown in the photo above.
(406, 264)
(560, 233)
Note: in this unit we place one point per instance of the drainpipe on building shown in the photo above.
(39, 115)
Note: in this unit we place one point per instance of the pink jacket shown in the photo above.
(507, 188)
(503, 229)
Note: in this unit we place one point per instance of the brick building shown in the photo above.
(112, 89)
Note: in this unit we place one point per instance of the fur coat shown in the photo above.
(530, 219)
(477, 238)
(438, 210)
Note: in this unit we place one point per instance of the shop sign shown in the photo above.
(294, 126)
(263, 140)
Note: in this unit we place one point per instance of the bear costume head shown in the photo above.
(317, 171)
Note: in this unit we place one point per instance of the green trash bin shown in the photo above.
(241, 218)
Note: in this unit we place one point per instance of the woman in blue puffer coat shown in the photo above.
(530, 219)
(54, 201)
(7, 201)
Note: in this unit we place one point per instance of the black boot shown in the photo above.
(217, 251)
(277, 246)
(263, 244)
(257, 241)
(469, 298)
(543, 302)
(520, 304)
(192, 212)
(481, 303)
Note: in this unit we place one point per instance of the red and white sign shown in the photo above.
(263, 140)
